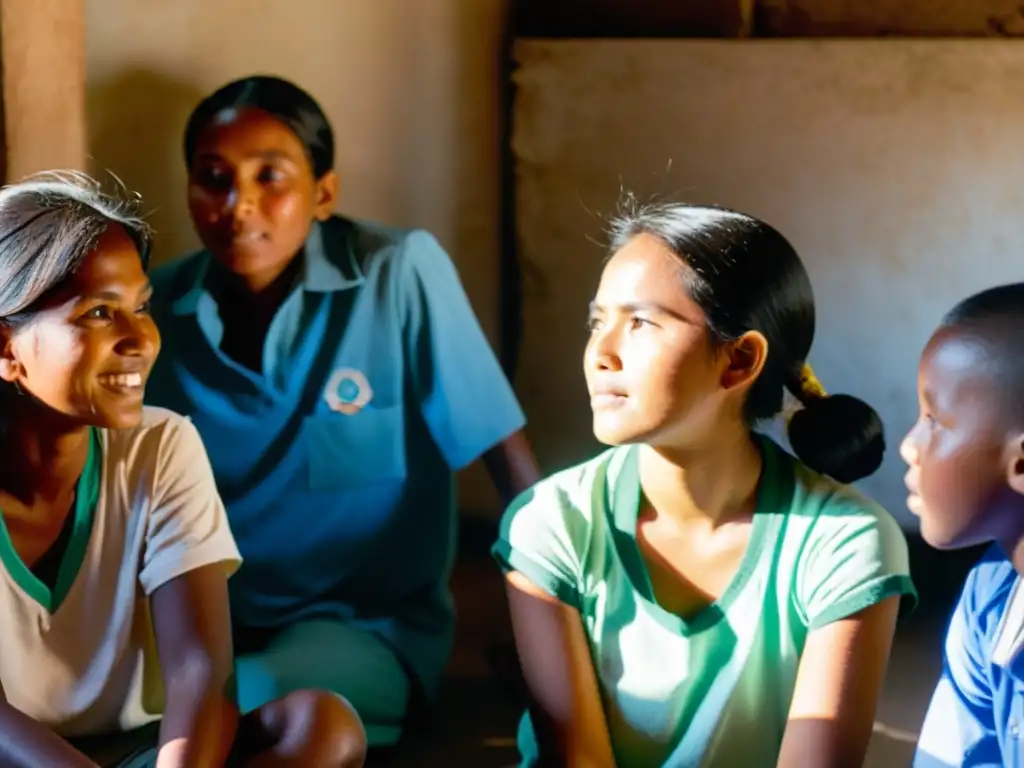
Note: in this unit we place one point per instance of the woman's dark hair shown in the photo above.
(49, 222)
(746, 276)
(282, 100)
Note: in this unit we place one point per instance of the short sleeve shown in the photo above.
(855, 556)
(462, 392)
(959, 727)
(543, 537)
(187, 526)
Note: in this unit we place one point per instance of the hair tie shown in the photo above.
(809, 386)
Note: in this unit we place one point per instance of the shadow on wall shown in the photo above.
(136, 121)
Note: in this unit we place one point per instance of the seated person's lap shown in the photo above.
(328, 655)
(324, 654)
(136, 748)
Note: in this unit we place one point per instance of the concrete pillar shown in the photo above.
(42, 51)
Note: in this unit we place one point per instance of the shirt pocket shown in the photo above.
(360, 449)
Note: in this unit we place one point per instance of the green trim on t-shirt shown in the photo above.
(894, 585)
(774, 494)
(514, 560)
(86, 496)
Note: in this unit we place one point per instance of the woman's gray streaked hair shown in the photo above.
(49, 222)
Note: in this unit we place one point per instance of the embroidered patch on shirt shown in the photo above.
(347, 391)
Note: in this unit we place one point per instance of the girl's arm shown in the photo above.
(512, 466)
(193, 638)
(25, 743)
(566, 710)
(838, 685)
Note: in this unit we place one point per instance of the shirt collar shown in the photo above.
(188, 302)
(1008, 649)
(320, 272)
(774, 492)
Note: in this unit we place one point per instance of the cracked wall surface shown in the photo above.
(892, 165)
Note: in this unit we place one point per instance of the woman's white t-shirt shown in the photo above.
(81, 658)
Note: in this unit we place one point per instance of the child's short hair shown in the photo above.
(994, 320)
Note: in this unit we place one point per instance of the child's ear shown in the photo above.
(326, 195)
(1015, 464)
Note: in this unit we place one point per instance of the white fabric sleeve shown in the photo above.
(187, 526)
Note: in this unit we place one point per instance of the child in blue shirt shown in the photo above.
(966, 483)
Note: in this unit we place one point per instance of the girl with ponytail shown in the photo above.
(696, 595)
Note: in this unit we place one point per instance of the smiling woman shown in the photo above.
(67, 358)
(114, 545)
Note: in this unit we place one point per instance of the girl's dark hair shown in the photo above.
(746, 276)
(279, 98)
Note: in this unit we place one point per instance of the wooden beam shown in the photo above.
(875, 18)
(42, 45)
(628, 18)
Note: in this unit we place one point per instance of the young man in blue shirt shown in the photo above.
(966, 483)
(338, 377)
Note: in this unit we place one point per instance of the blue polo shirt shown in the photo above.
(336, 465)
(976, 716)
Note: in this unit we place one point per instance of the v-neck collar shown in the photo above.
(86, 496)
(771, 502)
(1008, 649)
